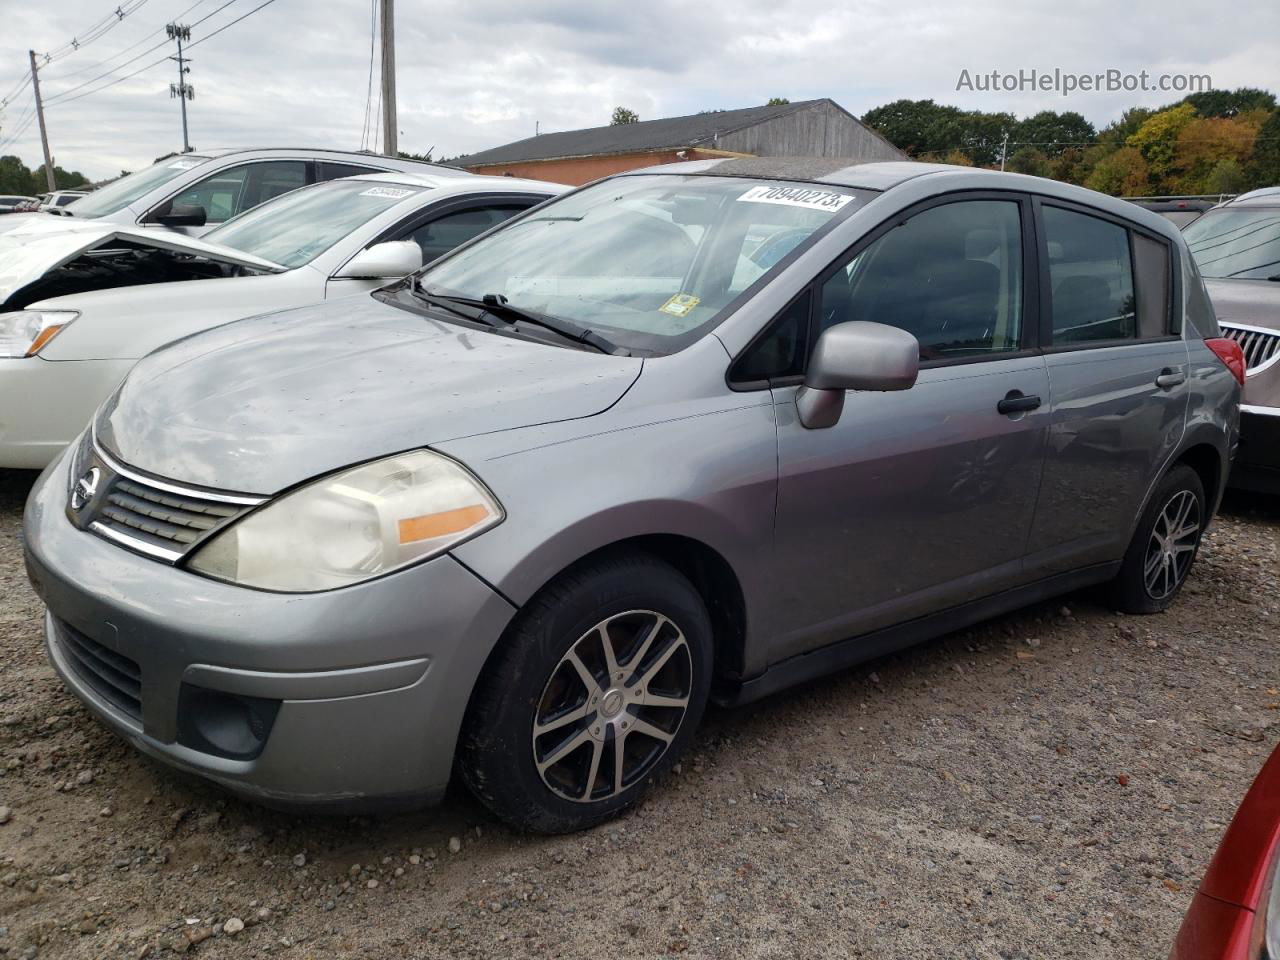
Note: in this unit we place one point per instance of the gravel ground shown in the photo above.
(1052, 783)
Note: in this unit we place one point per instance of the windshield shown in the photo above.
(297, 227)
(647, 261)
(118, 195)
(1237, 244)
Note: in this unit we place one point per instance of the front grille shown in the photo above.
(176, 521)
(111, 675)
(1261, 347)
(155, 517)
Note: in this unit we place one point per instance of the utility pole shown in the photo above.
(389, 121)
(1004, 150)
(44, 134)
(182, 90)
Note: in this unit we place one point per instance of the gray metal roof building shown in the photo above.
(813, 128)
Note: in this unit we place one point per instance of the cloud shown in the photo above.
(472, 75)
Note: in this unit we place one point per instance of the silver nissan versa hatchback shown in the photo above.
(701, 431)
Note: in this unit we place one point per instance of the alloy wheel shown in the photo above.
(612, 706)
(1173, 543)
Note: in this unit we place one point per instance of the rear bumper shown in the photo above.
(366, 685)
(1257, 463)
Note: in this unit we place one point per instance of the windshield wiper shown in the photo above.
(1276, 278)
(452, 305)
(496, 303)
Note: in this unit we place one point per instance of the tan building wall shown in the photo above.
(576, 171)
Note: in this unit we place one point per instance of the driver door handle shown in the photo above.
(1015, 401)
(1170, 378)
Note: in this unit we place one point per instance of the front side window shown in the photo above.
(233, 191)
(648, 261)
(297, 228)
(118, 195)
(1090, 278)
(441, 235)
(950, 275)
(1237, 244)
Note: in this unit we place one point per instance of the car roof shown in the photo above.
(469, 184)
(328, 153)
(886, 175)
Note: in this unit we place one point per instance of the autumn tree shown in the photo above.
(1157, 141)
(1210, 145)
(1123, 173)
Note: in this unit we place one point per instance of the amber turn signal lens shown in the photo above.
(432, 525)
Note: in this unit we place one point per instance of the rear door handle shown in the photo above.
(1170, 378)
(1015, 401)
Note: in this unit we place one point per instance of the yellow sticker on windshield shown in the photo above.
(681, 304)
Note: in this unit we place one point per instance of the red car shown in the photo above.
(1236, 912)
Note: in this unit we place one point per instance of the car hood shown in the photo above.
(260, 405)
(1255, 302)
(44, 243)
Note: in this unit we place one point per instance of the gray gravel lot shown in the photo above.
(1050, 784)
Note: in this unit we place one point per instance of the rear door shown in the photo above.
(922, 499)
(1118, 370)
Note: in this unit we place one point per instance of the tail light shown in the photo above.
(1229, 352)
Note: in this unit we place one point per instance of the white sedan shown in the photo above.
(82, 301)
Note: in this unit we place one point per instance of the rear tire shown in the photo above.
(597, 687)
(1164, 545)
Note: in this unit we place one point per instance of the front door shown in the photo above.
(922, 499)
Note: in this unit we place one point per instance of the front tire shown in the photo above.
(597, 687)
(1164, 545)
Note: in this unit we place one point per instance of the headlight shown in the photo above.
(24, 332)
(354, 525)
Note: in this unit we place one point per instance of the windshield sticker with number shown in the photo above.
(389, 193)
(184, 164)
(797, 197)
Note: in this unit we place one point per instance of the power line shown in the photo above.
(63, 98)
(368, 93)
(121, 52)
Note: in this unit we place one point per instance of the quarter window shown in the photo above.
(1090, 278)
(1151, 272)
(951, 275)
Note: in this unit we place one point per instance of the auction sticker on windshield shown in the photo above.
(797, 197)
(680, 305)
(388, 193)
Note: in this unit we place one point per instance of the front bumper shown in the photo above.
(1257, 464)
(370, 682)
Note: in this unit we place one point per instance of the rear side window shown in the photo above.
(1151, 271)
(1090, 278)
(328, 170)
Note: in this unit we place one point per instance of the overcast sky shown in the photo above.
(478, 73)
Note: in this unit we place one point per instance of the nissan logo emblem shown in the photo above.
(85, 488)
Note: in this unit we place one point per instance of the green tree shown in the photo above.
(917, 126)
(1230, 103)
(1263, 169)
(1121, 130)
(424, 157)
(1053, 133)
(622, 115)
(1227, 177)
(1029, 160)
(777, 102)
(14, 176)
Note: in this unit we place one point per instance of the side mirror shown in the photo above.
(383, 261)
(855, 356)
(183, 215)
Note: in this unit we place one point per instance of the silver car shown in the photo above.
(701, 431)
(194, 192)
